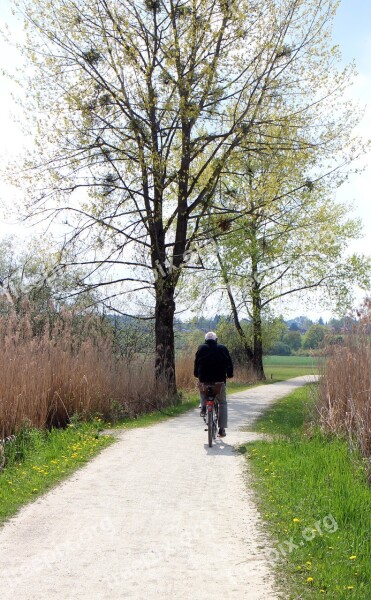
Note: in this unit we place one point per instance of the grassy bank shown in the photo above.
(280, 368)
(39, 459)
(316, 501)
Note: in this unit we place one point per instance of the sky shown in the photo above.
(352, 32)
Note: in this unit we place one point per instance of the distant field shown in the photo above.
(279, 368)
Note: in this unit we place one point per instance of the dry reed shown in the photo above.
(68, 368)
(184, 372)
(186, 380)
(345, 385)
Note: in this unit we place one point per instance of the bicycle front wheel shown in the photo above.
(210, 423)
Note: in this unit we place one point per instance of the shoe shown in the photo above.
(222, 432)
(203, 412)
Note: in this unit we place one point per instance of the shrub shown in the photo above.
(293, 340)
(280, 349)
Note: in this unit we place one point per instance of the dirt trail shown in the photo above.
(158, 515)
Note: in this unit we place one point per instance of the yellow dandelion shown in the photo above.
(296, 520)
(353, 557)
(309, 579)
(350, 587)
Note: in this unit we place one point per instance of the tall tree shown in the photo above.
(140, 106)
(293, 241)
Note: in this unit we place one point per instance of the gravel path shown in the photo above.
(158, 515)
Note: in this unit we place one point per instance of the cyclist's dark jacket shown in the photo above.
(212, 362)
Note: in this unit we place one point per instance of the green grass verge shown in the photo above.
(280, 368)
(315, 498)
(38, 460)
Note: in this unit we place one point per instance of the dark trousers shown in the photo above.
(223, 408)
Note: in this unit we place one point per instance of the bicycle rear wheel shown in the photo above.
(210, 423)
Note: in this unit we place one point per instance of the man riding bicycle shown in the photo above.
(213, 364)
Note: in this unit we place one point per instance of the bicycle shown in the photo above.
(211, 391)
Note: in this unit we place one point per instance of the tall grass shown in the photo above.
(65, 366)
(184, 371)
(345, 385)
(56, 365)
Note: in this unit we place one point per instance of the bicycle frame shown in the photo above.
(212, 409)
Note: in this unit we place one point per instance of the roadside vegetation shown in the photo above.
(345, 385)
(314, 495)
(313, 475)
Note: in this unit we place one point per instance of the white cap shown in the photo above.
(210, 336)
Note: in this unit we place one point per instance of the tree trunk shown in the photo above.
(258, 349)
(249, 355)
(244, 341)
(164, 334)
(257, 332)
